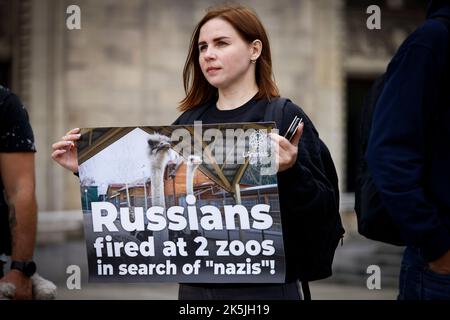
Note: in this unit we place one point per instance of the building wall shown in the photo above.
(124, 68)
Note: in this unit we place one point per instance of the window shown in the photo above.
(5, 74)
(357, 89)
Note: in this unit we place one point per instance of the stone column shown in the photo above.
(328, 78)
(46, 97)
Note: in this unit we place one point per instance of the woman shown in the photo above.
(228, 73)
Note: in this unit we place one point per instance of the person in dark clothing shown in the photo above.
(229, 70)
(408, 154)
(18, 209)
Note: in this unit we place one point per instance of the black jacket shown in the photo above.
(306, 194)
(409, 148)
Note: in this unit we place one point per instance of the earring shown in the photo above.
(253, 61)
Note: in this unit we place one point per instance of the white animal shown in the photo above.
(191, 166)
(159, 157)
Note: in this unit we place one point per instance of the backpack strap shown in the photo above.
(275, 111)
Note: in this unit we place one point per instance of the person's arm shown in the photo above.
(397, 149)
(17, 173)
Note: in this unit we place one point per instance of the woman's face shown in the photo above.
(224, 56)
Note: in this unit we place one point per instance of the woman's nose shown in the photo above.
(209, 54)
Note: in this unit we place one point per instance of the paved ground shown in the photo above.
(319, 291)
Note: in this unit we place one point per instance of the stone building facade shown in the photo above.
(124, 67)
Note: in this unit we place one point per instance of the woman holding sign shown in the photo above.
(228, 79)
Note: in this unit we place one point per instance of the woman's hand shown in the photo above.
(287, 151)
(65, 150)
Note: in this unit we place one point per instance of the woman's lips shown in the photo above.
(212, 70)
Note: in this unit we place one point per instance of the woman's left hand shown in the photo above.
(287, 151)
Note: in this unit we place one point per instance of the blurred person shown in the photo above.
(18, 208)
(228, 79)
(408, 154)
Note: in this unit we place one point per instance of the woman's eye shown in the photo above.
(202, 48)
(221, 43)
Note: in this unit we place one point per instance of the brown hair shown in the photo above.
(246, 23)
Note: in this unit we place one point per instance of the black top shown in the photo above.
(252, 111)
(303, 189)
(16, 135)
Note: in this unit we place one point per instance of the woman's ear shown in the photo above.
(256, 49)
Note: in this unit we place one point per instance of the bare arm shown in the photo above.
(17, 173)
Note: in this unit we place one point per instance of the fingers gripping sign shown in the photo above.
(65, 151)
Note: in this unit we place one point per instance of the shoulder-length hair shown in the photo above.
(249, 27)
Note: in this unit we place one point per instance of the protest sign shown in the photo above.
(192, 203)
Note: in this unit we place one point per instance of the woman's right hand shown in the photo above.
(65, 150)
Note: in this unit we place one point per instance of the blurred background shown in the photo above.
(124, 68)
